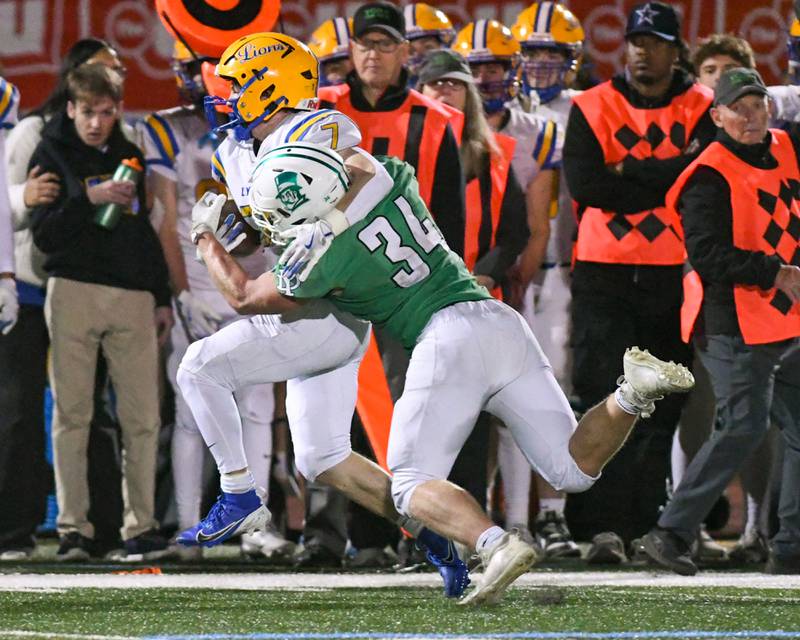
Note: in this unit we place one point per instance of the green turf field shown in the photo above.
(548, 612)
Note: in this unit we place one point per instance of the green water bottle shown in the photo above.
(108, 214)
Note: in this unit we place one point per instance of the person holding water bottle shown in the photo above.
(108, 289)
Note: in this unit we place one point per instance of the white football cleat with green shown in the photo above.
(648, 379)
(504, 563)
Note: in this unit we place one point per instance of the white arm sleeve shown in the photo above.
(21, 143)
(376, 189)
(6, 228)
(787, 103)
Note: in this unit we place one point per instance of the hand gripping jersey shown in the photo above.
(393, 266)
(177, 145)
(233, 160)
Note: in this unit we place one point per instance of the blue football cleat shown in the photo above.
(233, 513)
(442, 554)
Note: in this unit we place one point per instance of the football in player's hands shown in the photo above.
(238, 237)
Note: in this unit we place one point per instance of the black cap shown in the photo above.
(383, 16)
(654, 18)
(737, 82)
(444, 63)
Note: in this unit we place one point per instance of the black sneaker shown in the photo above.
(73, 547)
(553, 535)
(782, 564)
(607, 548)
(317, 557)
(146, 546)
(751, 548)
(670, 551)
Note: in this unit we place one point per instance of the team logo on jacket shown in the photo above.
(290, 193)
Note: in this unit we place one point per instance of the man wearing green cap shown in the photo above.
(739, 203)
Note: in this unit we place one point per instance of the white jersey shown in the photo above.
(563, 226)
(9, 102)
(539, 143)
(786, 104)
(233, 161)
(178, 145)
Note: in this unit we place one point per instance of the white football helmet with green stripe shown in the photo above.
(296, 183)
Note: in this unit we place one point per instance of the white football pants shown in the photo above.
(256, 405)
(475, 356)
(316, 349)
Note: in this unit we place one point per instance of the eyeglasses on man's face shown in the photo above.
(382, 45)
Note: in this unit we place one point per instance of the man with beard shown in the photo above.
(627, 141)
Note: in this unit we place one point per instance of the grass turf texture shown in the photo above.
(152, 612)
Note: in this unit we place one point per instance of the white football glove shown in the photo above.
(231, 233)
(206, 214)
(9, 305)
(198, 318)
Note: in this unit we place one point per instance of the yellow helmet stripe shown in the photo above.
(342, 31)
(479, 35)
(544, 17)
(300, 129)
(410, 15)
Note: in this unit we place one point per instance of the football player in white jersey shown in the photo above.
(318, 349)
(9, 305)
(178, 146)
(551, 39)
(493, 55)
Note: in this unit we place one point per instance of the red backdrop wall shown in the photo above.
(34, 34)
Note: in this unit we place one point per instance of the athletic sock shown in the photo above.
(489, 539)
(239, 482)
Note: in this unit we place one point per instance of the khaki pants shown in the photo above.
(81, 318)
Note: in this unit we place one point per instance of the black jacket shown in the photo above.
(705, 207)
(642, 185)
(447, 196)
(130, 256)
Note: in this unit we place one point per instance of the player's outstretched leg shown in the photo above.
(232, 514)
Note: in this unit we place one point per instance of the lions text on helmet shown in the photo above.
(268, 72)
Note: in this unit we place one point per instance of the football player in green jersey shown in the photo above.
(469, 352)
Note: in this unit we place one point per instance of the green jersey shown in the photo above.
(393, 267)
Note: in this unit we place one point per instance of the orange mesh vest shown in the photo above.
(651, 237)
(486, 207)
(766, 217)
(412, 132)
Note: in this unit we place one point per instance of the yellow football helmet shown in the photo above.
(187, 69)
(269, 72)
(548, 25)
(485, 41)
(793, 44)
(331, 40)
(423, 20)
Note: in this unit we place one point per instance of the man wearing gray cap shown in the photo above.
(739, 203)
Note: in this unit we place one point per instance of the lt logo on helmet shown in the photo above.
(290, 193)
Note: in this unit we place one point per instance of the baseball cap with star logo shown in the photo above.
(656, 19)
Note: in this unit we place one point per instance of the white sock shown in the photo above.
(516, 472)
(553, 504)
(753, 515)
(626, 406)
(489, 538)
(240, 482)
(188, 452)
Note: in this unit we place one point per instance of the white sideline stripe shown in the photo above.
(18, 633)
(297, 582)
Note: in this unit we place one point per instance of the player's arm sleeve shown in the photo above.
(549, 145)
(327, 127)
(372, 191)
(447, 198)
(512, 233)
(159, 145)
(218, 169)
(6, 228)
